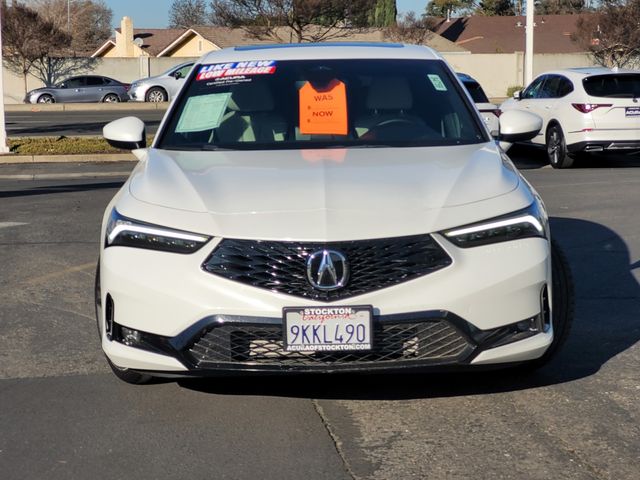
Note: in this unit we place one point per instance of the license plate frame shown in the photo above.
(632, 112)
(330, 325)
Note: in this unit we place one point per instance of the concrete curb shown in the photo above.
(84, 107)
(83, 158)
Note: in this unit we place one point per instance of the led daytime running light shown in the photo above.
(502, 223)
(129, 227)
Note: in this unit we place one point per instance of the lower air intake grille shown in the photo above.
(436, 341)
(282, 266)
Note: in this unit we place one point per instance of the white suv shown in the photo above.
(584, 110)
(324, 208)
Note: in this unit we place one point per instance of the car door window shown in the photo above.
(75, 83)
(95, 82)
(551, 87)
(182, 73)
(532, 90)
(566, 87)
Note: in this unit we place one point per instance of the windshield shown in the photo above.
(321, 104)
(613, 86)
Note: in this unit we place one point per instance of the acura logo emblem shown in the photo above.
(327, 270)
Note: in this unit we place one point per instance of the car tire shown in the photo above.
(124, 374)
(111, 98)
(562, 306)
(46, 98)
(156, 95)
(556, 145)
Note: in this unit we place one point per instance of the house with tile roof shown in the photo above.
(506, 34)
(132, 42)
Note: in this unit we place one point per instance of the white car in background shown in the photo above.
(326, 208)
(584, 110)
(161, 88)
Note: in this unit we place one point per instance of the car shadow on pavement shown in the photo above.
(45, 190)
(527, 157)
(607, 323)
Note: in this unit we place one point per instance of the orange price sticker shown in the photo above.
(323, 112)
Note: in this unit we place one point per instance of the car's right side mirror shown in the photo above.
(517, 95)
(518, 126)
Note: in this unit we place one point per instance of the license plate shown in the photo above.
(311, 329)
(632, 111)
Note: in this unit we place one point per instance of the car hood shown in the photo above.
(329, 194)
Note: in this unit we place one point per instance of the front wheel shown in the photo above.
(156, 95)
(46, 98)
(562, 306)
(557, 148)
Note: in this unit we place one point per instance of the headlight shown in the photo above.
(530, 222)
(127, 232)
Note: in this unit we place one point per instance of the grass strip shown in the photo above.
(62, 145)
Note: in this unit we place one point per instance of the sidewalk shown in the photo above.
(65, 171)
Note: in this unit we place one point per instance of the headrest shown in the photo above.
(389, 93)
(251, 97)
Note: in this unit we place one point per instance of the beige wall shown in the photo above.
(495, 72)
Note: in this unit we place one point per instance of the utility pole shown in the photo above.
(3, 132)
(528, 49)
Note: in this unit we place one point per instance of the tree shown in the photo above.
(88, 22)
(559, 7)
(293, 20)
(495, 8)
(187, 13)
(445, 8)
(28, 38)
(411, 29)
(612, 34)
(383, 14)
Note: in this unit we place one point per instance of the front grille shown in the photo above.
(281, 266)
(434, 341)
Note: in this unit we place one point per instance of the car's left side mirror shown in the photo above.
(518, 126)
(177, 75)
(128, 133)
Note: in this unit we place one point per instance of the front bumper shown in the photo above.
(137, 94)
(173, 300)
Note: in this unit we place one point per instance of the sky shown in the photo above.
(155, 13)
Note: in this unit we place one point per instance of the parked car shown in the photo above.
(325, 208)
(161, 88)
(489, 112)
(81, 89)
(584, 110)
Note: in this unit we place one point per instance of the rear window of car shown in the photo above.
(321, 104)
(476, 92)
(626, 85)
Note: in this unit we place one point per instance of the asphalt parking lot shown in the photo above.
(64, 415)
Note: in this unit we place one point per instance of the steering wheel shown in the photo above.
(395, 129)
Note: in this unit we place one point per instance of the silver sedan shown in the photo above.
(81, 89)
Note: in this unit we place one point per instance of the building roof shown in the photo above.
(163, 41)
(506, 34)
(225, 37)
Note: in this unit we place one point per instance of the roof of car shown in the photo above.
(581, 72)
(326, 50)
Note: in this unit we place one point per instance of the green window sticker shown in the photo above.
(437, 83)
(203, 112)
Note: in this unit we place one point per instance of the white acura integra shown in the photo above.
(325, 208)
